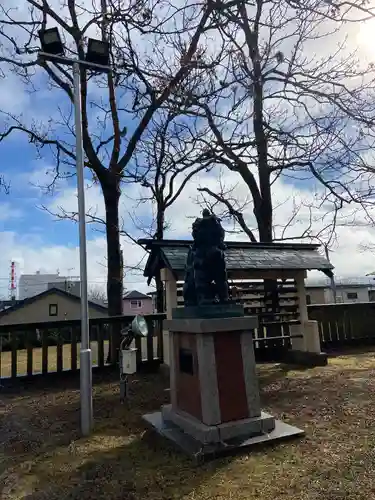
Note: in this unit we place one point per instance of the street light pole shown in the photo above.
(85, 352)
(97, 60)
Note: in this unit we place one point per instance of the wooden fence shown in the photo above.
(42, 348)
(50, 347)
(340, 325)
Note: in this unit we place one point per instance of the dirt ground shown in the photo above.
(42, 455)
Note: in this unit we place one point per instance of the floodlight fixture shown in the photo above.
(97, 52)
(139, 326)
(50, 41)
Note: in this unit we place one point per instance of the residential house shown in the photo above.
(51, 305)
(4, 304)
(348, 290)
(135, 302)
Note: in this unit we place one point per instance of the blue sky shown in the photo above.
(21, 169)
(36, 241)
(33, 229)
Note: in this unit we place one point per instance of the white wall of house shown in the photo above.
(137, 306)
(347, 294)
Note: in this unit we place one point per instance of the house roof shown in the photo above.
(338, 286)
(4, 304)
(344, 282)
(134, 295)
(58, 291)
(239, 256)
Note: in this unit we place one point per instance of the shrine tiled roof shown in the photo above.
(239, 256)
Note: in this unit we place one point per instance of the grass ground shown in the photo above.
(43, 456)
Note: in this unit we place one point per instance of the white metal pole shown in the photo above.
(85, 352)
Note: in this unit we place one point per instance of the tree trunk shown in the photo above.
(159, 234)
(271, 287)
(159, 293)
(111, 192)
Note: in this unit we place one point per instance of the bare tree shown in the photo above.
(225, 203)
(4, 186)
(139, 87)
(279, 111)
(302, 223)
(97, 294)
(164, 164)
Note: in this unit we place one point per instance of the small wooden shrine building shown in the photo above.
(248, 264)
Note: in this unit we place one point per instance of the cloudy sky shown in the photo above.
(37, 241)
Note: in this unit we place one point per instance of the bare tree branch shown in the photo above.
(153, 50)
(237, 215)
(4, 185)
(279, 113)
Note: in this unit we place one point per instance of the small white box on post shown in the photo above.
(128, 355)
(129, 361)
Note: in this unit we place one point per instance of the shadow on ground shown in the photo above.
(44, 457)
(122, 459)
(144, 468)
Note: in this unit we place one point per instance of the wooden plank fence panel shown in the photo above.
(100, 341)
(160, 340)
(29, 354)
(59, 353)
(150, 341)
(345, 323)
(40, 340)
(13, 356)
(45, 352)
(73, 349)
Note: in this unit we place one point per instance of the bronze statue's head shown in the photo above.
(207, 230)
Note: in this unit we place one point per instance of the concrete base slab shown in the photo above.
(204, 452)
(254, 426)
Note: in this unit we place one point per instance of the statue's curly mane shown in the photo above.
(206, 278)
(207, 231)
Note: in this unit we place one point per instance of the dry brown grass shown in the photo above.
(43, 457)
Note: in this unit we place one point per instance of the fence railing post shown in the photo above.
(13, 357)
(160, 340)
(150, 341)
(44, 352)
(59, 353)
(73, 348)
(100, 343)
(29, 353)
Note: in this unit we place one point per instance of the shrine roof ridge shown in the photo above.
(240, 257)
(149, 243)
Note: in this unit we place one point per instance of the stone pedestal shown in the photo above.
(215, 404)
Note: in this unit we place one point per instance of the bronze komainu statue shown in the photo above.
(206, 275)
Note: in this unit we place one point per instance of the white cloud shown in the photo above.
(8, 211)
(34, 252)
